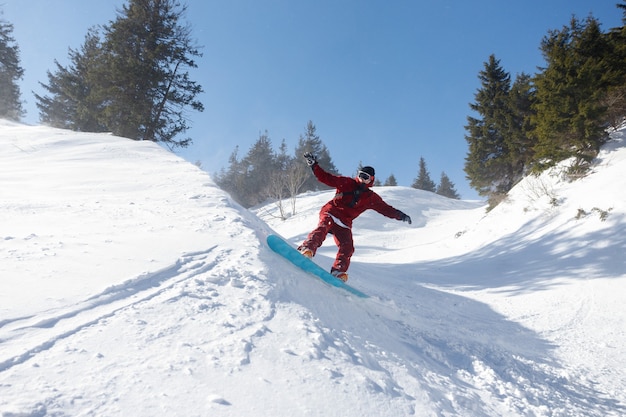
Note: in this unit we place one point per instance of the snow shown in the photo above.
(130, 285)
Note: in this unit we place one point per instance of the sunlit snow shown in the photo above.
(130, 285)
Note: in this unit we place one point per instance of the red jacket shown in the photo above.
(352, 198)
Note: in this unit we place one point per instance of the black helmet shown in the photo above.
(369, 170)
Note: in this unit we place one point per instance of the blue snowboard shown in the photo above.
(284, 249)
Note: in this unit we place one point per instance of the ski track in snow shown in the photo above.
(230, 329)
(68, 321)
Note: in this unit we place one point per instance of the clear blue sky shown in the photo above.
(385, 81)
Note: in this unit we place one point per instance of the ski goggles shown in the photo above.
(364, 176)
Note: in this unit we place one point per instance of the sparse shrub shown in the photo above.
(603, 214)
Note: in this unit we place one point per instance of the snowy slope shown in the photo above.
(130, 285)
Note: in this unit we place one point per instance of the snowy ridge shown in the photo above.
(132, 286)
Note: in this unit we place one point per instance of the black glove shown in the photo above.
(405, 218)
(310, 159)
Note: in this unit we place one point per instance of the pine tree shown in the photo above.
(519, 137)
(259, 164)
(391, 181)
(311, 142)
(135, 81)
(10, 73)
(446, 187)
(145, 80)
(70, 104)
(487, 163)
(615, 99)
(569, 116)
(250, 180)
(423, 181)
(232, 180)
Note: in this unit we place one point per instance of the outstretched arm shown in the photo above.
(386, 210)
(335, 181)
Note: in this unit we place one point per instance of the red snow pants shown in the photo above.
(343, 240)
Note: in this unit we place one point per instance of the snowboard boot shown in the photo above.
(306, 252)
(341, 275)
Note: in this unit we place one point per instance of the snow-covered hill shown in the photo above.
(130, 285)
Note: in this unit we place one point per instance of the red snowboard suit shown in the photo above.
(353, 197)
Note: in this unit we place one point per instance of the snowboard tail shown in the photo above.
(284, 249)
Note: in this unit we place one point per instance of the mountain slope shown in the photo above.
(131, 285)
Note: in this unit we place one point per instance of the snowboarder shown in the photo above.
(352, 198)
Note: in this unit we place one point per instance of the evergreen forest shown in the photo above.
(131, 77)
(564, 112)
